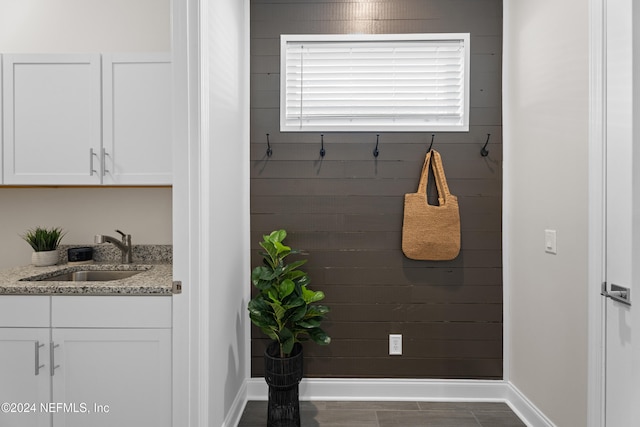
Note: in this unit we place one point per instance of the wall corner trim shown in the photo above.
(340, 389)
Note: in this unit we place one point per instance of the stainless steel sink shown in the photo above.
(91, 276)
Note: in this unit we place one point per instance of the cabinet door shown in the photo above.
(1, 126)
(51, 119)
(24, 376)
(115, 377)
(137, 131)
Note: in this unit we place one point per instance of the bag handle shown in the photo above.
(438, 171)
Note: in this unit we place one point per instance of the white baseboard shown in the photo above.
(386, 389)
(348, 389)
(525, 409)
(237, 408)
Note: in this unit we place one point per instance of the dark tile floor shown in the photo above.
(392, 414)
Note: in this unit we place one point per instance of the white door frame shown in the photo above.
(188, 399)
(597, 216)
(596, 206)
(189, 352)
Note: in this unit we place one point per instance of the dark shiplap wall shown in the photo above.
(346, 209)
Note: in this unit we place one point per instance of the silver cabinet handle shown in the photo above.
(104, 163)
(37, 358)
(52, 346)
(91, 169)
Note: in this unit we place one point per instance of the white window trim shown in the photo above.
(299, 125)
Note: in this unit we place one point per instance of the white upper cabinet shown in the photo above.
(137, 131)
(51, 119)
(86, 119)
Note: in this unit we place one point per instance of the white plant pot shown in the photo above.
(44, 258)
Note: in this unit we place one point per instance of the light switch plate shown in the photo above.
(550, 244)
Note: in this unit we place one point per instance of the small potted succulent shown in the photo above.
(44, 242)
(285, 309)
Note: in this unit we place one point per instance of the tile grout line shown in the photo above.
(377, 419)
(475, 418)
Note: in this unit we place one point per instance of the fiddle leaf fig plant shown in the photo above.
(284, 308)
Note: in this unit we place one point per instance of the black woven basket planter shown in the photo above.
(283, 377)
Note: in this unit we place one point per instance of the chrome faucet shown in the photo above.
(124, 245)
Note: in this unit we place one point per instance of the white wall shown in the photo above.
(546, 147)
(45, 26)
(145, 213)
(225, 180)
(37, 26)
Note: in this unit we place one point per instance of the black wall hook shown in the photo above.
(269, 150)
(484, 152)
(322, 152)
(375, 150)
(433, 135)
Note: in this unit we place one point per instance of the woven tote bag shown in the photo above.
(431, 232)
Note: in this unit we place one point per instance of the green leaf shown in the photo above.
(270, 333)
(294, 265)
(296, 275)
(298, 314)
(317, 310)
(262, 277)
(263, 322)
(286, 287)
(43, 239)
(319, 336)
(261, 313)
(310, 323)
(276, 236)
(285, 334)
(263, 273)
(272, 252)
(303, 281)
(312, 296)
(281, 250)
(295, 302)
(259, 321)
(258, 305)
(273, 294)
(287, 346)
(278, 312)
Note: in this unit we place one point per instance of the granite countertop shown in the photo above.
(155, 278)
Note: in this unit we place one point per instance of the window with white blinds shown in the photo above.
(401, 82)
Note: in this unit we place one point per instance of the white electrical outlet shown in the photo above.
(395, 344)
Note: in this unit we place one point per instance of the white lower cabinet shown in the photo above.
(114, 377)
(67, 375)
(1, 128)
(24, 377)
